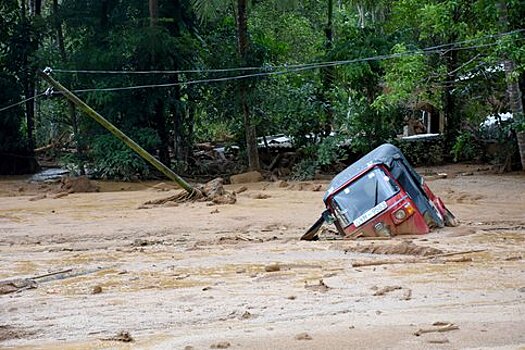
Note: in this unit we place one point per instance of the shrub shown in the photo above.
(110, 158)
(467, 147)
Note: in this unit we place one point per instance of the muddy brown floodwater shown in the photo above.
(196, 276)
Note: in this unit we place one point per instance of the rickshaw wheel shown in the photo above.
(313, 232)
(450, 219)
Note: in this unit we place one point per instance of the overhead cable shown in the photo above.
(20, 102)
(287, 71)
(267, 68)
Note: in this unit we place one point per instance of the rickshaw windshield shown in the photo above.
(363, 195)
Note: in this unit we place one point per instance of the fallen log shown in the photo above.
(381, 262)
(441, 255)
(445, 328)
(52, 274)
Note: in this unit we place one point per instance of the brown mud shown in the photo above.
(182, 277)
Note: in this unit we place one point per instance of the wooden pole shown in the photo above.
(119, 134)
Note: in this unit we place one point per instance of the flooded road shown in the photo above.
(236, 276)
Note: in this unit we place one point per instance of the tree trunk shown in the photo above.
(28, 83)
(249, 127)
(38, 7)
(513, 88)
(153, 12)
(29, 92)
(328, 73)
(160, 122)
(452, 117)
(59, 32)
(78, 138)
(178, 122)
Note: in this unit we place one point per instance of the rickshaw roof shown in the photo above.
(384, 154)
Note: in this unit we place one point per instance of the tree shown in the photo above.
(513, 88)
(206, 9)
(17, 48)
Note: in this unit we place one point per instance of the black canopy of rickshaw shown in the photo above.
(394, 160)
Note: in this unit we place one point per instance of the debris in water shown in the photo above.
(221, 345)
(320, 287)
(77, 185)
(249, 177)
(123, 336)
(10, 332)
(407, 294)
(317, 188)
(16, 285)
(303, 336)
(281, 184)
(513, 258)
(439, 327)
(211, 191)
(96, 290)
(438, 341)
(246, 315)
(273, 267)
(261, 196)
(241, 189)
(384, 290)
(37, 198)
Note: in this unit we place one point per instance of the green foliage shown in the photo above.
(12, 139)
(304, 170)
(467, 147)
(112, 159)
(331, 150)
(368, 126)
(366, 101)
(405, 80)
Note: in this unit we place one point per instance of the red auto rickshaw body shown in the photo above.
(385, 223)
(381, 195)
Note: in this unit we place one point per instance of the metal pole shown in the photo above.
(115, 131)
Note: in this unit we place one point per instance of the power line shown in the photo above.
(266, 68)
(498, 35)
(21, 102)
(287, 68)
(294, 70)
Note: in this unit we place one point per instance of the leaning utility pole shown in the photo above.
(115, 131)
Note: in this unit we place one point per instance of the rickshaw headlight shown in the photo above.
(400, 214)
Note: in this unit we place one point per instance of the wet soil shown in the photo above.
(198, 276)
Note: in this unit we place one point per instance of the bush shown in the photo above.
(467, 147)
(114, 160)
(304, 170)
(110, 158)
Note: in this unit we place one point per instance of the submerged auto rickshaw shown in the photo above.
(381, 195)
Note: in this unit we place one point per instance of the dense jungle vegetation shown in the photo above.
(173, 73)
